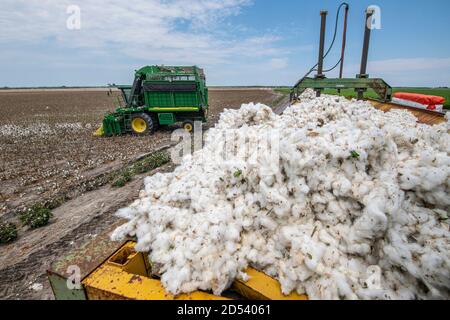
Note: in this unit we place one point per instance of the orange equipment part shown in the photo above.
(430, 102)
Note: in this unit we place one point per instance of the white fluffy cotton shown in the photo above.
(356, 208)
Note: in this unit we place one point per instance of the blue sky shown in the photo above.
(238, 42)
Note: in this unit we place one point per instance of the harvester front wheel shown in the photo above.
(188, 126)
(142, 124)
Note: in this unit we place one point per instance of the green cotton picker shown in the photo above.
(160, 95)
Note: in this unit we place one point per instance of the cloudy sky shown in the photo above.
(238, 42)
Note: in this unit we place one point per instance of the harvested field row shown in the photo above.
(47, 146)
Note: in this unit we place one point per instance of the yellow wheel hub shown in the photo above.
(188, 127)
(139, 125)
(99, 132)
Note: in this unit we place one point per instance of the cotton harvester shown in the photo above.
(160, 95)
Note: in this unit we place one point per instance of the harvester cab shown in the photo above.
(160, 95)
(125, 93)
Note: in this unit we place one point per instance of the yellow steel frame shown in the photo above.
(126, 275)
(262, 287)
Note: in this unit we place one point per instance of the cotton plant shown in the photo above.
(354, 207)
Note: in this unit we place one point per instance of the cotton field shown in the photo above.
(353, 205)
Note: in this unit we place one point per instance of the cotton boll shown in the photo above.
(232, 233)
(430, 263)
(120, 233)
(268, 223)
(126, 213)
(342, 186)
(326, 238)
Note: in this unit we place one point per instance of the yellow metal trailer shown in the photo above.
(104, 270)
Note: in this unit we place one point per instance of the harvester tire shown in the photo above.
(142, 124)
(188, 126)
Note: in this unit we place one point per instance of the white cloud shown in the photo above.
(410, 64)
(33, 19)
(177, 31)
(279, 63)
(411, 72)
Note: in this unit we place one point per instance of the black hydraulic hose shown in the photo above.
(331, 45)
(336, 26)
(335, 66)
(334, 36)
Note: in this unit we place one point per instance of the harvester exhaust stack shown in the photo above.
(365, 51)
(344, 42)
(323, 26)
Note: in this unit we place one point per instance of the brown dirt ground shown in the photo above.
(47, 148)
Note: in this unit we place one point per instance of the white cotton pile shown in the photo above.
(355, 208)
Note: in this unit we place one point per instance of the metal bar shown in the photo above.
(365, 51)
(342, 83)
(344, 42)
(323, 22)
(381, 88)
